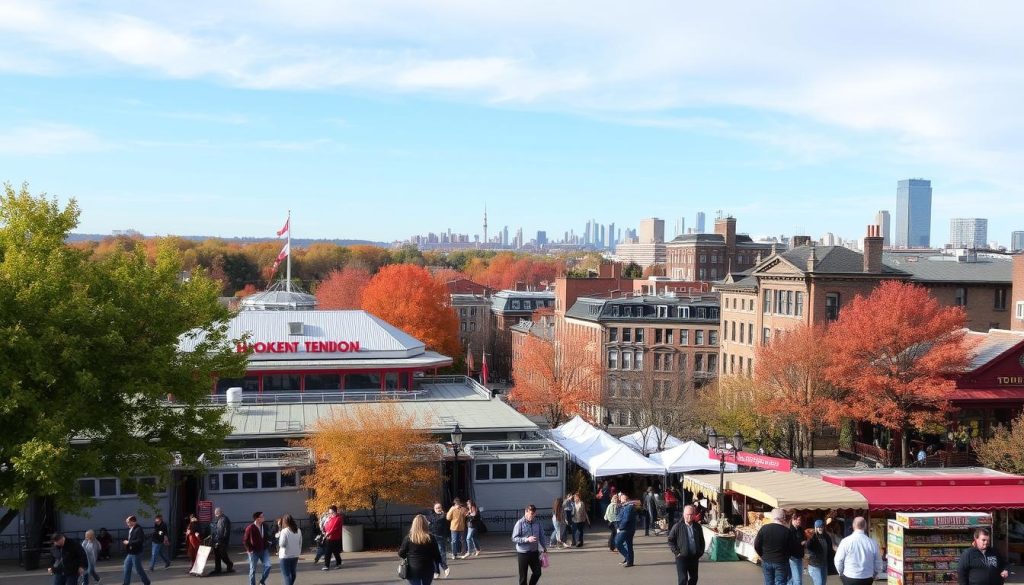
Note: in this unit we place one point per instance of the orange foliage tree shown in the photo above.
(790, 371)
(343, 289)
(556, 379)
(506, 269)
(369, 456)
(406, 296)
(893, 353)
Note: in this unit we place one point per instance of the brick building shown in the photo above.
(709, 257)
(509, 307)
(1017, 322)
(476, 328)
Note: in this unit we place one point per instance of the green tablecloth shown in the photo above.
(723, 549)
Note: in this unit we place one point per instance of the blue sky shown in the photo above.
(378, 120)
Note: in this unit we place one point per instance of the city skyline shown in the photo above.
(216, 120)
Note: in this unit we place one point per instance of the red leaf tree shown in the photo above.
(791, 373)
(343, 289)
(406, 296)
(894, 353)
(556, 379)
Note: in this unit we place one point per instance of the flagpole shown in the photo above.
(288, 283)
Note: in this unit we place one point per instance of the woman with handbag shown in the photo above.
(419, 554)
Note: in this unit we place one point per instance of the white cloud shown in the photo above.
(49, 139)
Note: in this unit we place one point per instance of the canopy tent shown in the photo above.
(793, 491)
(961, 493)
(651, 440)
(686, 457)
(702, 484)
(600, 453)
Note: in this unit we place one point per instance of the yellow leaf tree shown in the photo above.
(369, 456)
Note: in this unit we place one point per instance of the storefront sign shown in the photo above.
(204, 511)
(755, 460)
(944, 520)
(298, 347)
(1010, 380)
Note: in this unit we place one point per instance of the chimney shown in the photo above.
(873, 250)
(726, 227)
(812, 260)
(801, 241)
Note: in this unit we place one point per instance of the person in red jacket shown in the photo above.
(255, 542)
(332, 538)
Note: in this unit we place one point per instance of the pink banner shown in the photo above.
(754, 460)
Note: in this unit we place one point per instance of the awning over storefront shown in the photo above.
(600, 453)
(930, 494)
(703, 484)
(793, 491)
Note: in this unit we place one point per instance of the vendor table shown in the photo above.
(723, 548)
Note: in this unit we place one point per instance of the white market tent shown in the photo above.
(600, 453)
(688, 457)
(650, 440)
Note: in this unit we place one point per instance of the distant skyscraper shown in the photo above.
(882, 221)
(968, 232)
(652, 231)
(504, 236)
(611, 236)
(913, 213)
(542, 238)
(700, 222)
(1017, 241)
(485, 223)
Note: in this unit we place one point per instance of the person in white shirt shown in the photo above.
(289, 547)
(858, 559)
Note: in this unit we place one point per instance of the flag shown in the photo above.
(483, 370)
(280, 257)
(282, 231)
(469, 360)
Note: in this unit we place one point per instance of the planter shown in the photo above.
(352, 538)
(378, 538)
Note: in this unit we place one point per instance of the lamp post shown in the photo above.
(722, 448)
(456, 445)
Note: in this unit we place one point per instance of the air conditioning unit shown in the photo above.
(294, 328)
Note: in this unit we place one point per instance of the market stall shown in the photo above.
(687, 457)
(926, 547)
(600, 453)
(650, 440)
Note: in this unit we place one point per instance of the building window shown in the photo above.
(684, 337)
(712, 362)
(669, 335)
(472, 311)
(799, 310)
(613, 334)
(699, 337)
(724, 362)
(638, 360)
(613, 359)
(659, 336)
(662, 311)
(1020, 310)
(750, 366)
(323, 382)
(725, 327)
(627, 335)
(741, 333)
(698, 362)
(703, 258)
(767, 299)
(960, 298)
(750, 333)
(732, 365)
(733, 337)
(1000, 304)
(639, 335)
(789, 302)
(766, 336)
(627, 360)
(682, 363)
(515, 304)
(528, 305)
(713, 337)
(613, 387)
(832, 306)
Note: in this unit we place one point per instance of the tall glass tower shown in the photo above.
(913, 213)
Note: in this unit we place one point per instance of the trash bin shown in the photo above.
(352, 538)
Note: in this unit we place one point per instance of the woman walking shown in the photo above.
(289, 543)
(611, 516)
(579, 518)
(91, 546)
(558, 521)
(472, 524)
(420, 552)
(192, 541)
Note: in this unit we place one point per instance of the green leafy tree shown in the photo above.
(91, 380)
(632, 270)
(1005, 449)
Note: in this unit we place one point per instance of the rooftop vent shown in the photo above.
(294, 328)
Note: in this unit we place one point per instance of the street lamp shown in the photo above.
(720, 444)
(456, 445)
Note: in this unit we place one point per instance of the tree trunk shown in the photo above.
(810, 440)
(903, 448)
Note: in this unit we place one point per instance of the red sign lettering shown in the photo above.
(296, 347)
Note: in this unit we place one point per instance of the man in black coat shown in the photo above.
(69, 562)
(221, 542)
(686, 539)
(981, 564)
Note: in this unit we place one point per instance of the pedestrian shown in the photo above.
(105, 541)
(317, 535)
(439, 528)
(650, 511)
(858, 559)
(686, 539)
(603, 497)
(626, 528)
(472, 524)
(159, 543)
(255, 542)
(819, 549)
(332, 538)
(68, 560)
(421, 552)
(457, 518)
(981, 564)
(193, 539)
(671, 505)
(289, 547)
(568, 512)
(611, 517)
(133, 551)
(91, 548)
(558, 523)
(796, 559)
(579, 518)
(774, 543)
(221, 542)
(528, 535)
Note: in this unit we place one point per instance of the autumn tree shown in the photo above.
(790, 371)
(369, 456)
(343, 289)
(894, 354)
(656, 398)
(734, 403)
(557, 378)
(369, 257)
(407, 297)
(315, 263)
(1005, 449)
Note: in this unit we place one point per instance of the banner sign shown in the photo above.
(204, 511)
(754, 460)
(202, 555)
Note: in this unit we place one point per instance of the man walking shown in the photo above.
(686, 539)
(255, 542)
(858, 559)
(774, 543)
(437, 525)
(981, 564)
(69, 561)
(528, 535)
(458, 523)
(133, 551)
(160, 542)
(221, 543)
(819, 549)
(796, 558)
(626, 528)
(651, 511)
(332, 538)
